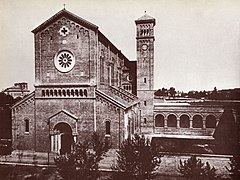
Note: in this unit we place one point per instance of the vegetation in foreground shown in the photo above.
(83, 161)
(137, 159)
(194, 168)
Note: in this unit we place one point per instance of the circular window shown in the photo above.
(64, 61)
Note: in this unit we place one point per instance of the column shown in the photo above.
(204, 122)
(165, 122)
(52, 142)
(217, 121)
(56, 143)
(191, 122)
(178, 122)
(59, 142)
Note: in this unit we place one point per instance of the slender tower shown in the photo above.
(145, 69)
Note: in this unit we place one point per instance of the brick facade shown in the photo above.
(96, 92)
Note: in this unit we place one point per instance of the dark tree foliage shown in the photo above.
(137, 159)
(166, 92)
(227, 133)
(194, 168)
(83, 161)
(234, 167)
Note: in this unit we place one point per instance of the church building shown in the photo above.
(85, 84)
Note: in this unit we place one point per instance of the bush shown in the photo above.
(234, 167)
(83, 161)
(136, 159)
(194, 168)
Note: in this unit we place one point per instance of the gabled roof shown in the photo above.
(24, 99)
(67, 14)
(110, 99)
(64, 112)
(144, 19)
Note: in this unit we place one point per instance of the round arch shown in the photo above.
(63, 139)
(211, 121)
(197, 121)
(171, 120)
(184, 121)
(159, 120)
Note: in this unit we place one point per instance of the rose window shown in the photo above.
(64, 61)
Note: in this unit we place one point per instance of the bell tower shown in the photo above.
(145, 69)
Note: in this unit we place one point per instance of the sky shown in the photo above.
(197, 42)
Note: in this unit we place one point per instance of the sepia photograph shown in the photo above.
(119, 90)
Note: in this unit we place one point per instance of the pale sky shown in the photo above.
(197, 43)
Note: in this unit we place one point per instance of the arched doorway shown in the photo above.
(62, 139)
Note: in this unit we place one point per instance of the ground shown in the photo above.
(20, 172)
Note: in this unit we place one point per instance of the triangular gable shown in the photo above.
(64, 112)
(69, 15)
(110, 99)
(23, 99)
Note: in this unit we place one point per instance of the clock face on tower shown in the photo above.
(144, 47)
(64, 61)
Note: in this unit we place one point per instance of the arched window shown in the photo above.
(55, 92)
(184, 121)
(145, 120)
(85, 92)
(51, 92)
(108, 129)
(72, 92)
(43, 93)
(197, 121)
(64, 92)
(68, 92)
(211, 121)
(159, 120)
(76, 92)
(47, 92)
(59, 92)
(171, 121)
(81, 92)
(26, 125)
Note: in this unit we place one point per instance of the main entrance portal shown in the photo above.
(62, 139)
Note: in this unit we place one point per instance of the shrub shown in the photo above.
(194, 168)
(234, 167)
(136, 159)
(83, 161)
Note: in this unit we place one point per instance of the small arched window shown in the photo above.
(145, 120)
(197, 121)
(159, 120)
(184, 121)
(108, 129)
(172, 121)
(26, 125)
(85, 92)
(211, 121)
(43, 93)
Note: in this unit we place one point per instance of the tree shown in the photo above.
(172, 91)
(137, 158)
(227, 133)
(83, 161)
(194, 168)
